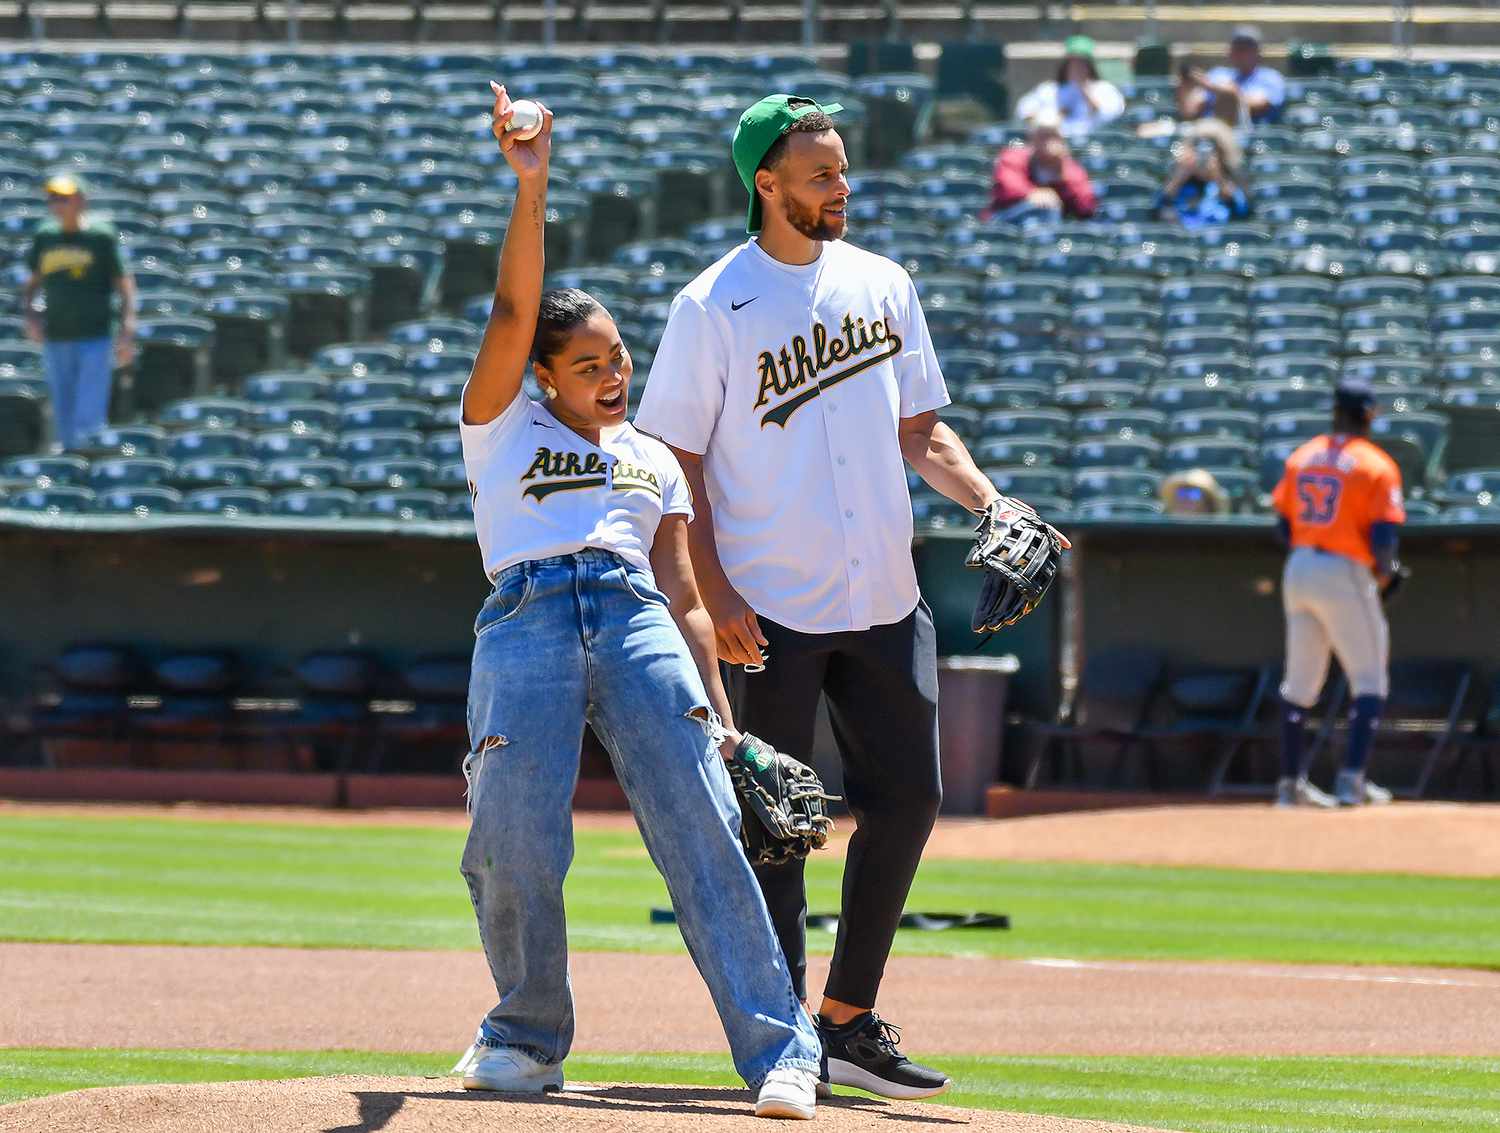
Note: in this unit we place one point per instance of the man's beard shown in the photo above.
(812, 223)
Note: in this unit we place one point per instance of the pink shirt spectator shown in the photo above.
(1014, 182)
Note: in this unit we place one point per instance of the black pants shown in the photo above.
(882, 687)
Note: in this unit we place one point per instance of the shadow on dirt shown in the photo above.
(378, 1107)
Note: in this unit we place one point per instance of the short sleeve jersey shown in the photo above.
(1263, 80)
(791, 381)
(1334, 489)
(541, 490)
(78, 272)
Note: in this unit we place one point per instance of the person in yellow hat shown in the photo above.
(78, 266)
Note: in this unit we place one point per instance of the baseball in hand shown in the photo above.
(526, 120)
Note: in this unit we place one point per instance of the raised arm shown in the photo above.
(501, 365)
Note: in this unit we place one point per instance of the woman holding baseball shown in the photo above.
(594, 618)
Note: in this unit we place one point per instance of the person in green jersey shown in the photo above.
(76, 262)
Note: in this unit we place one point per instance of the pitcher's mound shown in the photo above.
(437, 1105)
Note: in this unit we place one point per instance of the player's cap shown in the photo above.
(759, 128)
(1247, 34)
(1354, 396)
(1080, 45)
(64, 185)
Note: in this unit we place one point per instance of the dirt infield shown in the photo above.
(1459, 839)
(293, 999)
(438, 1105)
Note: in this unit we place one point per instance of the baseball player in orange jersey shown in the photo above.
(1340, 504)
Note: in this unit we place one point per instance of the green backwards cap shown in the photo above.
(759, 128)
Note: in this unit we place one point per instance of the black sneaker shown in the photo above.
(862, 1053)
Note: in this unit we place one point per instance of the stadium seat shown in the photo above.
(22, 416)
(206, 413)
(1214, 454)
(1117, 452)
(215, 472)
(139, 501)
(1040, 423)
(58, 499)
(286, 386)
(1114, 483)
(249, 332)
(45, 471)
(192, 444)
(1236, 424)
(1119, 424)
(295, 444)
(1022, 452)
(316, 503)
(400, 415)
(172, 360)
(394, 473)
(129, 472)
(404, 505)
(303, 472)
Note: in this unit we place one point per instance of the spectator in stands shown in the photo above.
(1041, 176)
(1194, 492)
(77, 264)
(1207, 184)
(1078, 96)
(1244, 92)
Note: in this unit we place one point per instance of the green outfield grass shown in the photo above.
(1212, 1095)
(146, 880)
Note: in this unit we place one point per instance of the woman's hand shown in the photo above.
(530, 158)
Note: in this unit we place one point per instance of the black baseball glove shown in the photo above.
(1019, 555)
(1393, 585)
(782, 811)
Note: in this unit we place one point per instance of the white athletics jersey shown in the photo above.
(540, 489)
(792, 380)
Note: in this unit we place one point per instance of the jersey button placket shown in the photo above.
(833, 421)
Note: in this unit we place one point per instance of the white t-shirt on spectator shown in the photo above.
(792, 381)
(1067, 102)
(540, 489)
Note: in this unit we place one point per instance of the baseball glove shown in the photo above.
(1399, 575)
(782, 812)
(1019, 555)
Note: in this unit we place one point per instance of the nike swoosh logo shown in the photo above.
(733, 306)
(542, 425)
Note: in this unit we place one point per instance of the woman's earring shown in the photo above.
(550, 391)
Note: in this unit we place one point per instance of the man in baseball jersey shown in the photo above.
(795, 379)
(1340, 504)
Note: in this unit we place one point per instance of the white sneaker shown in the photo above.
(1299, 792)
(1353, 789)
(788, 1092)
(507, 1070)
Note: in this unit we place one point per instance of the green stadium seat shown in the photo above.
(379, 444)
(22, 416)
(386, 387)
(448, 475)
(1011, 424)
(1215, 424)
(45, 471)
(315, 503)
(305, 472)
(303, 443)
(397, 473)
(129, 472)
(1180, 396)
(58, 499)
(1085, 395)
(1213, 453)
(387, 415)
(1274, 396)
(142, 502)
(405, 505)
(1027, 483)
(1116, 452)
(1005, 393)
(1114, 483)
(231, 503)
(1117, 508)
(208, 413)
(208, 442)
(215, 472)
(1022, 452)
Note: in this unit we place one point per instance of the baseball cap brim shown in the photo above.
(63, 185)
(777, 118)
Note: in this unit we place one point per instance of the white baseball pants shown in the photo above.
(1332, 609)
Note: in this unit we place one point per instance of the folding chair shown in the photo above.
(1111, 705)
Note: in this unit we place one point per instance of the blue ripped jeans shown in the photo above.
(588, 637)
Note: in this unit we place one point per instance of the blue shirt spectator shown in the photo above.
(1206, 186)
(1245, 91)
